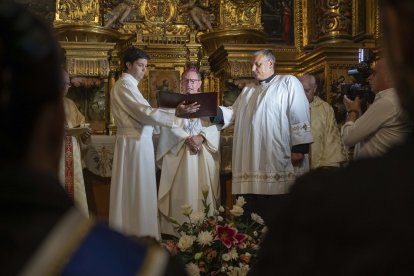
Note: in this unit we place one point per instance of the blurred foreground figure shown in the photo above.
(41, 232)
(358, 220)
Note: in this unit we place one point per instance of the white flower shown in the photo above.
(185, 242)
(255, 247)
(192, 269)
(240, 201)
(204, 190)
(219, 218)
(255, 233)
(237, 211)
(264, 230)
(221, 209)
(226, 257)
(233, 254)
(186, 209)
(257, 218)
(205, 238)
(197, 217)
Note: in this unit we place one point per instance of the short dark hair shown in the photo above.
(132, 54)
(30, 77)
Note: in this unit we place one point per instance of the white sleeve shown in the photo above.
(299, 113)
(138, 108)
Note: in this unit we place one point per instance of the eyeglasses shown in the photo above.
(192, 81)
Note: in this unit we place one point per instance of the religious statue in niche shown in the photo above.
(199, 14)
(120, 12)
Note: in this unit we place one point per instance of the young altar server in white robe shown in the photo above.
(70, 169)
(133, 196)
(271, 136)
(189, 159)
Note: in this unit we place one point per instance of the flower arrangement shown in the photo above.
(214, 245)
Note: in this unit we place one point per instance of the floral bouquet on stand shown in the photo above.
(214, 245)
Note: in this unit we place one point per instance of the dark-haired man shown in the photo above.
(133, 198)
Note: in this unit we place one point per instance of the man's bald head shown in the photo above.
(309, 85)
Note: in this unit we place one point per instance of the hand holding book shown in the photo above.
(184, 110)
(195, 105)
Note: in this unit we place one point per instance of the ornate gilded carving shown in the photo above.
(95, 33)
(239, 69)
(240, 14)
(87, 59)
(333, 19)
(88, 67)
(157, 11)
(213, 40)
(77, 11)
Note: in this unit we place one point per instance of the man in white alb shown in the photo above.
(383, 125)
(189, 159)
(271, 136)
(133, 196)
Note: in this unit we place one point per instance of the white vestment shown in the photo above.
(327, 148)
(183, 173)
(74, 118)
(133, 198)
(269, 118)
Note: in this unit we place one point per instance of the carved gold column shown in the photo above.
(332, 20)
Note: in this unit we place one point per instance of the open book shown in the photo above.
(206, 100)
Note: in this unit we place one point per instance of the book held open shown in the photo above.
(206, 100)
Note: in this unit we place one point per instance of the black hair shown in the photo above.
(30, 76)
(132, 54)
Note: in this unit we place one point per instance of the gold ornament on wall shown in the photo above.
(239, 14)
(77, 11)
(334, 19)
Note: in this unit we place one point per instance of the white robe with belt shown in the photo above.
(269, 118)
(133, 198)
(183, 173)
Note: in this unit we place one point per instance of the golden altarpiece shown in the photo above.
(218, 36)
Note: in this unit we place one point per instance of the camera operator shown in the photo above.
(383, 125)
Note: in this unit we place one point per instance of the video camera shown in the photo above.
(360, 87)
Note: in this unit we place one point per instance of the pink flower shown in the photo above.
(229, 235)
